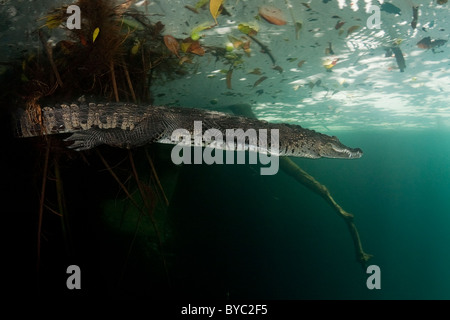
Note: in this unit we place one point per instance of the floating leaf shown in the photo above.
(272, 15)
(257, 82)
(172, 44)
(247, 29)
(195, 33)
(189, 45)
(83, 40)
(214, 8)
(229, 74)
(237, 43)
(186, 44)
(185, 59)
(95, 34)
(246, 47)
(197, 49)
(352, 29)
(133, 24)
(135, 47)
(201, 3)
(53, 21)
(328, 64)
(256, 71)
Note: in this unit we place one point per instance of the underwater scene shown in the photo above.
(226, 149)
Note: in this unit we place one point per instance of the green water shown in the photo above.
(269, 237)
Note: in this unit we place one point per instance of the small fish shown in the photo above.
(300, 63)
(415, 17)
(399, 58)
(229, 74)
(278, 68)
(339, 24)
(428, 43)
(329, 50)
(306, 5)
(390, 8)
(259, 81)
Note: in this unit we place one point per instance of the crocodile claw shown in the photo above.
(83, 140)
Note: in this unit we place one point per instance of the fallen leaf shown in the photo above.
(247, 29)
(172, 44)
(184, 59)
(201, 3)
(256, 71)
(272, 15)
(83, 40)
(95, 34)
(135, 48)
(214, 8)
(352, 29)
(53, 21)
(196, 48)
(195, 33)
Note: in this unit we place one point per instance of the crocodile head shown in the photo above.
(331, 147)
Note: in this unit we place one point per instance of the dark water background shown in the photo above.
(273, 238)
(241, 235)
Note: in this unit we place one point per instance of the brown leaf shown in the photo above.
(196, 48)
(272, 15)
(352, 29)
(172, 44)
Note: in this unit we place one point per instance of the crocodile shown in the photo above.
(128, 125)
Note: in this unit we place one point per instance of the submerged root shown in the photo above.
(292, 169)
